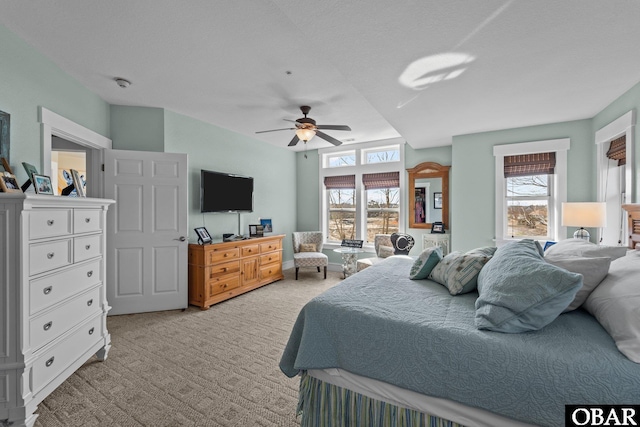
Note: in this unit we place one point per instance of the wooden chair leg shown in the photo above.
(325, 271)
(297, 268)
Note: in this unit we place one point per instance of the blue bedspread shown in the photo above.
(413, 334)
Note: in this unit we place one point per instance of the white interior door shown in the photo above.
(147, 230)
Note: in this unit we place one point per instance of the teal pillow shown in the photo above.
(458, 271)
(519, 291)
(425, 262)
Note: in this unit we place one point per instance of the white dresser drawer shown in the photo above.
(48, 256)
(45, 328)
(55, 360)
(87, 220)
(87, 247)
(49, 223)
(49, 290)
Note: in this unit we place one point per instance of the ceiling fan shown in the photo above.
(306, 129)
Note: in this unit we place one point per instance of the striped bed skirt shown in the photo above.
(321, 404)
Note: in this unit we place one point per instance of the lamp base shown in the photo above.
(581, 233)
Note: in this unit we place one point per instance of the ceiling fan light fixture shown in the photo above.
(305, 134)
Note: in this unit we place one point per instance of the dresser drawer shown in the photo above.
(87, 247)
(272, 245)
(49, 290)
(214, 256)
(270, 258)
(48, 256)
(87, 220)
(47, 327)
(250, 250)
(271, 270)
(58, 358)
(223, 268)
(49, 223)
(222, 284)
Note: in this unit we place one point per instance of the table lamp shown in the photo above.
(584, 214)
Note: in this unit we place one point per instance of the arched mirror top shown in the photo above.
(428, 195)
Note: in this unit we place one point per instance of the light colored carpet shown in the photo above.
(217, 367)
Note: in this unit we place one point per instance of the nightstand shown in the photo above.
(437, 239)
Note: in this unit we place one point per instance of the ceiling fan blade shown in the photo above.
(334, 127)
(328, 138)
(294, 141)
(275, 130)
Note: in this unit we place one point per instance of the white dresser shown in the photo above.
(53, 304)
(436, 239)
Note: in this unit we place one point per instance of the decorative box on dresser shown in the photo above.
(220, 271)
(53, 304)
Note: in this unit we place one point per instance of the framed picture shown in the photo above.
(77, 183)
(203, 235)
(437, 200)
(30, 170)
(266, 225)
(5, 121)
(256, 230)
(437, 227)
(42, 184)
(420, 205)
(9, 184)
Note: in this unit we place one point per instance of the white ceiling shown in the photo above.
(424, 70)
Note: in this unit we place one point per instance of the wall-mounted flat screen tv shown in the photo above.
(225, 192)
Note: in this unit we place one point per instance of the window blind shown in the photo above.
(341, 181)
(529, 164)
(371, 181)
(618, 150)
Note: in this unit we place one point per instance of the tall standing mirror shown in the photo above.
(428, 195)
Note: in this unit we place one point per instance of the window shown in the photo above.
(361, 191)
(530, 188)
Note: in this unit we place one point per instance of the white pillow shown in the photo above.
(385, 251)
(581, 247)
(616, 304)
(593, 271)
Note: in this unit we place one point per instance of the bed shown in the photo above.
(380, 349)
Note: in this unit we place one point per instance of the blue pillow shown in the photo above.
(425, 262)
(519, 291)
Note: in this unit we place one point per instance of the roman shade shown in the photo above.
(371, 181)
(341, 181)
(529, 164)
(618, 150)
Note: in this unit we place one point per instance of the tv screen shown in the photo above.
(224, 192)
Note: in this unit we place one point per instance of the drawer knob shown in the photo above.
(90, 273)
(47, 290)
(50, 255)
(47, 326)
(91, 331)
(87, 247)
(90, 302)
(87, 220)
(50, 222)
(50, 361)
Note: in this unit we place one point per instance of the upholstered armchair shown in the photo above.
(383, 247)
(307, 251)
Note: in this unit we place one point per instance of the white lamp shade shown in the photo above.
(584, 214)
(305, 134)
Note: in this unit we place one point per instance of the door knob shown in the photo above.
(182, 238)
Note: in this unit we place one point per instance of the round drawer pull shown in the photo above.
(89, 273)
(50, 255)
(87, 220)
(50, 222)
(50, 361)
(90, 302)
(87, 247)
(91, 331)
(47, 326)
(47, 290)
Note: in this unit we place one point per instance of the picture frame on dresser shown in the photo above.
(77, 183)
(9, 183)
(42, 184)
(203, 235)
(437, 227)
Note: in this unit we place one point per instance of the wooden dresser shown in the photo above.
(220, 271)
(52, 296)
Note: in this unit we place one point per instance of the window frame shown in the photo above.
(550, 208)
(359, 169)
(558, 186)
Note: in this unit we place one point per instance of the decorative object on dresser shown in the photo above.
(77, 183)
(437, 239)
(52, 293)
(42, 184)
(266, 225)
(30, 170)
(437, 227)
(5, 127)
(203, 235)
(256, 230)
(634, 224)
(9, 184)
(220, 271)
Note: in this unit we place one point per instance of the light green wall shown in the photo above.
(625, 103)
(29, 80)
(137, 128)
(473, 176)
(213, 148)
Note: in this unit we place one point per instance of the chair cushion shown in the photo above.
(310, 259)
(308, 247)
(385, 251)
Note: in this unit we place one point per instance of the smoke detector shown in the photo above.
(123, 83)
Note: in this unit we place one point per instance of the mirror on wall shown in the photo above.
(428, 195)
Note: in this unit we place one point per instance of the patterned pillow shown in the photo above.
(425, 262)
(308, 247)
(385, 251)
(459, 271)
